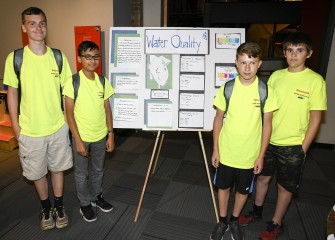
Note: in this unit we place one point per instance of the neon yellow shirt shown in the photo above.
(40, 107)
(297, 94)
(240, 136)
(89, 109)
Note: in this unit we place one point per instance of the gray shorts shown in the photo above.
(40, 154)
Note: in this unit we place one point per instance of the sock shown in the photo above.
(223, 219)
(46, 206)
(58, 202)
(258, 210)
(233, 218)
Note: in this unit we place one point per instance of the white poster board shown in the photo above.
(167, 78)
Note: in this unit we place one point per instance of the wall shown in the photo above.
(62, 16)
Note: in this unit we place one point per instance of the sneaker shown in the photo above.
(47, 220)
(271, 233)
(331, 237)
(219, 230)
(102, 204)
(244, 220)
(62, 219)
(88, 214)
(236, 232)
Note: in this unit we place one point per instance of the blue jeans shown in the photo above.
(84, 177)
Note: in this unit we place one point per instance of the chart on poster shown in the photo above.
(167, 78)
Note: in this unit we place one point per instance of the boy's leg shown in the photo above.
(59, 159)
(262, 186)
(223, 198)
(290, 161)
(98, 153)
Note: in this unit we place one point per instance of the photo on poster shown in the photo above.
(227, 40)
(159, 71)
(158, 114)
(224, 72)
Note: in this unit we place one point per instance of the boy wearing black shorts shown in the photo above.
(240, 143)
(301, 96)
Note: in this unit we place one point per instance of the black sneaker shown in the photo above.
(219, 230)
(88, 214)
(236, 232)
(102, 204)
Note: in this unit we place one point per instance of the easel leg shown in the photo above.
(208, 176)
(147, 177)
(159, 151)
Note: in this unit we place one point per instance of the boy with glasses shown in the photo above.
(37, 119)
(89, 116)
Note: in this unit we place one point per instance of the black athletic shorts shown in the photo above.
(288, 162)
(227, 177)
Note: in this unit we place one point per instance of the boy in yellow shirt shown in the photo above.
(90, 119)
(301, 96)
(240, 143)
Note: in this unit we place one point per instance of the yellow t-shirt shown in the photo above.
(240, 136)
(89, 110)
(297, 94)
(40, 107)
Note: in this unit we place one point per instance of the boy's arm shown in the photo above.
(12, 99)
(266, 134)
(69, 108)
(314, 123)
(217, 125)
(110, 144)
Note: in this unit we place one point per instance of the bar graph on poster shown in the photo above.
(167, 78)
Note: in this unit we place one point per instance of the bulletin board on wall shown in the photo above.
(167, 78)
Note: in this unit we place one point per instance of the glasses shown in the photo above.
(90, 57)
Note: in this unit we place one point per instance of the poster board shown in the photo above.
(87, 33)
(167, 78)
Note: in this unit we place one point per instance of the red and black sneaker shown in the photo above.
(272, 231)
(244, 220)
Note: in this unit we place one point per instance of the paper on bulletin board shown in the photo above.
(87, 33)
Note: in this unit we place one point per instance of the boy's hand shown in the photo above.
(258, 166)
(215, 159)
(110, 144)
(81, 149)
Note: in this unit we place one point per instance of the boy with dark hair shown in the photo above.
(240, 143)
(90, 119)
(301, 95)
(39, 123)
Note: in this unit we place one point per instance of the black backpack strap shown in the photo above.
(102, 81)
(76, 84)
(59, 59)
(17, 63)
(227, 91)
(263, 93)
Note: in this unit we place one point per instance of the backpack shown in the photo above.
(76, 84)
(18, 58)
(262, 90)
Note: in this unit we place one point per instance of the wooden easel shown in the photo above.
(150, 166)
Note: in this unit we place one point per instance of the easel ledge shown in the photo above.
(160, 138)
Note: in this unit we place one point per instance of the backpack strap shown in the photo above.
(102, 81)
(59, 59)
(18, 56)
(227, 91)
(76, 84)
(263, 93)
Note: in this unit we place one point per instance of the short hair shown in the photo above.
(32, 11)
(298, 38)
(87, 45)
(252, 49)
